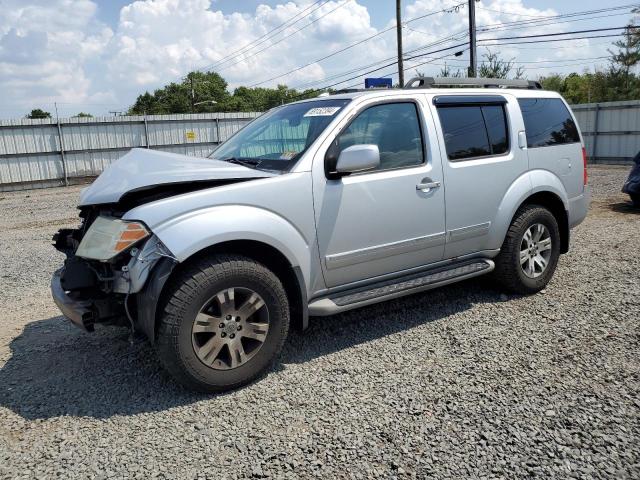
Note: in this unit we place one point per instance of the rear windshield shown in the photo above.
(547, 121)
(277, 139)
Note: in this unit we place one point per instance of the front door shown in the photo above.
(382, 221)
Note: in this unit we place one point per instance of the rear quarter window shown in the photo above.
(547, 121)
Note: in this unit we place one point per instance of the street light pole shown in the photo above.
(473, 60)
(193, 95)
(399, 35)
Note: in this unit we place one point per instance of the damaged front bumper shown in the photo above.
(122, 292)
(80, 312)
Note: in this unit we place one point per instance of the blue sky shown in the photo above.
(97, 55)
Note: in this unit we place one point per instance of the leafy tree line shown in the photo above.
(39, 113)
(202, 92)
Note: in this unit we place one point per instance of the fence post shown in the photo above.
(218, 130)
(64, 159)
(595, 134)
(146, 131)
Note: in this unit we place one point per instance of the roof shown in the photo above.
(383, 92)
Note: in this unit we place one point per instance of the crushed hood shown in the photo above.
(143, 169)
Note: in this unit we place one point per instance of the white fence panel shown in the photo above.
(41, 153)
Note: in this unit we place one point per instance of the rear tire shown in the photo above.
(530, 252)
(224, 322)
(635, 199)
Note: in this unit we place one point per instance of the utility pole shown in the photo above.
(473, 60)
(193, 95)
(399, 34)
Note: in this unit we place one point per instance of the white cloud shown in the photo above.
(58, 50)
(45, 47)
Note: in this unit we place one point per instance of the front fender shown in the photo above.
(194, 231)
(523, 187)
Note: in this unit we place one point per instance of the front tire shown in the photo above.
(635, 199)
(530, 252)
(224, 323)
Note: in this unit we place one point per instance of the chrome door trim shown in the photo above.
(345, 259)
(471, 231)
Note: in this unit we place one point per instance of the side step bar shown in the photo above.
(381, 291)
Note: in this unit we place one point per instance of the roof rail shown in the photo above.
(431, 82)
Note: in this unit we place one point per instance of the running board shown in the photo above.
(382, 291)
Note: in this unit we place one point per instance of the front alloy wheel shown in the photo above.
(224, 321)
(230, 328)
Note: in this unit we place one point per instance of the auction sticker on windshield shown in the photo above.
(288, 155)
(321, 112)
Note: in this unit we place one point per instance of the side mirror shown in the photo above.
(358, 158)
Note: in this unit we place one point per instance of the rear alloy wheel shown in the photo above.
(530, 251)
(535, 250)
(224, 323)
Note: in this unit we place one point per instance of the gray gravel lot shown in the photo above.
(460, 382)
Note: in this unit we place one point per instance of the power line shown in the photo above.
(542, 17)
(548, 40)
(441, 41)
(353, 45)
(286, 36)
(417, 65)
(493, 40)
(564, 33)
(383, 66)
(268, 35)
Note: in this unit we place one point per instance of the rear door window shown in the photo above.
(547, 121)
(473, 131)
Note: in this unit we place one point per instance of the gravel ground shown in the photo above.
(459, 382)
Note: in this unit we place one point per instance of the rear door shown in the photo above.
(553, 141)
(380, 222)
(481, 159)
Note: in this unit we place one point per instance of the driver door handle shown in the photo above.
(427, 186)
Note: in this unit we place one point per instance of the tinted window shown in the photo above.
(496, 123)
(394, 128)
(474, 131)
(547, 122)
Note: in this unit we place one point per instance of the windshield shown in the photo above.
(277, 139)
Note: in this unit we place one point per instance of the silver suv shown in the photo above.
(322, 206)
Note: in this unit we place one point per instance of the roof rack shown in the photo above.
(431, 82)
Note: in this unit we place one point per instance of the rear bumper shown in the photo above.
(79, 312)
(579, 206)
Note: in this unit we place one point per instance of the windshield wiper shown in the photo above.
(245, 162)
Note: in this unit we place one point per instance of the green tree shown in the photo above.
(83, 115)
(194, 93)
(38, 113)
(495, 67)
(625, 58)
(446, 71)
(207, 92)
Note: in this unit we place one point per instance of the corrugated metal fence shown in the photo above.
(42, 153)
(46, 153)
(611, 130)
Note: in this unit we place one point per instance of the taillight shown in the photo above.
(585, 177)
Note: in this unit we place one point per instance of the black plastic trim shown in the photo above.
(304, 321)
(459, 100)
(147, 299)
